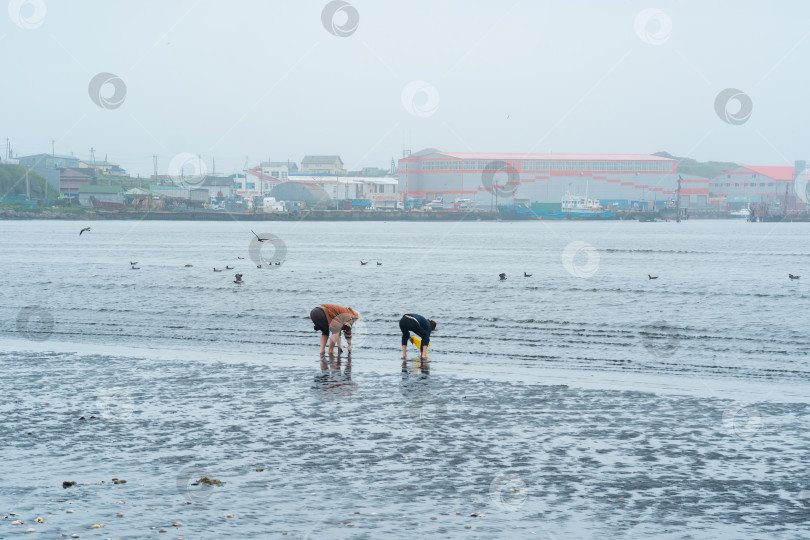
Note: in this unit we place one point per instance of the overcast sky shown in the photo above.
(264, 79)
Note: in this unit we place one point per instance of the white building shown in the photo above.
(382, 191)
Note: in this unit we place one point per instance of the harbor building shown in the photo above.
(48, 165)
(323, 165)
(756, 184)
(488, 178)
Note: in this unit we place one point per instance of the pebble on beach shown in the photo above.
(98, 525)
(31, 530)
(68, 511)
(119, 515)
(177, 524)
(228, 515)
(67, 483)
(17, 522)
(40, 520)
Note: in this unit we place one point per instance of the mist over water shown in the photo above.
(584, 401)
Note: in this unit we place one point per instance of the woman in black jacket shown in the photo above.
(422, 327)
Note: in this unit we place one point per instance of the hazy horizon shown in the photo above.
(243, 83)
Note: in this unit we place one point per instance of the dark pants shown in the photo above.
(407, 325)
(318, 317)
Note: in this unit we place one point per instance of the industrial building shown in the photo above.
(617, 180)
(758, 184)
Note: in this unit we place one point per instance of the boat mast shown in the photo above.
(678, 201)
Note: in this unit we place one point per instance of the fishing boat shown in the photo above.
(578, 207)
(743, 213)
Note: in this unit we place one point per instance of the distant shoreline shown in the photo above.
(314, 215)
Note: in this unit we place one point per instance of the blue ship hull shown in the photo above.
(523, 212)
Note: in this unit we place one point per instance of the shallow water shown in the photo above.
(585, 401)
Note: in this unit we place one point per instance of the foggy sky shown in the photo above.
(266, 80)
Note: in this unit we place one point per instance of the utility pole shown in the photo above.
(53, 152)
(154, 168)
(92, 155)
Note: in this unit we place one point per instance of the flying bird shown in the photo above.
(259, 238)
(652, 277)
(791, 276)
(526, 275)
(502, 276)
(86, 229)
(132, 263)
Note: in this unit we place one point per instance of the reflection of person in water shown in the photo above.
(419, 366)
(331, 379)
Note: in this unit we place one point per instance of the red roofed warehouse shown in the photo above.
(616, 180)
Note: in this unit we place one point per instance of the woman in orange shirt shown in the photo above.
(335, 319)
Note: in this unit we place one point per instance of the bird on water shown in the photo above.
(652, 277)
(791, 276)
(526, 275)
(502, 276)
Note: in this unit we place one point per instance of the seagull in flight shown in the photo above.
(86, 229)
(259, 238)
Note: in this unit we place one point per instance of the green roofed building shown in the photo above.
(113, 194)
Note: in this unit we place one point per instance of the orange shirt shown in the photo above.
(340, 318)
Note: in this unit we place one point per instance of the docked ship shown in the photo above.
(577, 207)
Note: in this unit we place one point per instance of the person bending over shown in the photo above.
(422, 327)
(334, 319)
